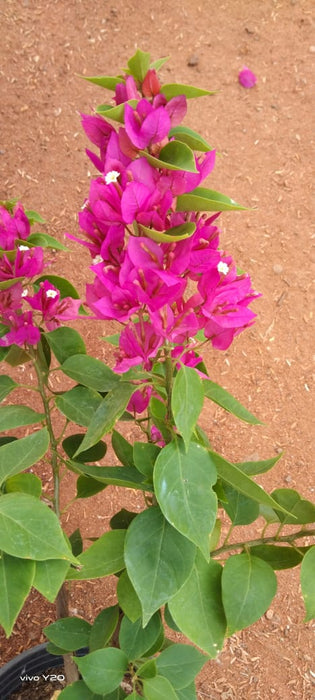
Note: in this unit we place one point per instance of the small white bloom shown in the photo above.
(97, 259)
(24, 293)
(51, 293)
(112, 176)
(222, 267)
(23, 247)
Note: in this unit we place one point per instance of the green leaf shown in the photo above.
(158, 559)
(127, 597)
(122, 449)
(307, 583)
(135, 640)
(222, 397)
(27, 483)
(122, 519)
(188, 693)
(102, 558)
(45, 241)
(197, 607)
(115, 113)
(129, 477)
(21, 454)
(176, 233)
(65, 287)
(16, 578)
(6, 284)
(106, 81)
(248, 586)
(215, 535)
(260, 467)
(14, 355)
(6, 385)
(169, 620)
(54, 650)
(277, 557)
(148, 669)
(108, 412)
(15, 416)
(90, 372)
(183, 487)
(87, 486)
(233, 476)
(65, 342)
(103, 669)
(71, 443)
(76, 542)
(34, 217)
(69, 633)
(187, 401)
(240, 509)
(79, 405)
(112, 339)
(173, 89)
(156, 65)
(139, 65)
(190, 138)
(180, 664)
(144, 456)
(158, 688)
(103, 627)
(302, 511)
(202, 199)
(79, 691)
(174, 156)
(49, 577)
(30, 530)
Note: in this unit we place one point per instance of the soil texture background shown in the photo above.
(264, 141)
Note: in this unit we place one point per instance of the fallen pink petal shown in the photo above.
(247, 78)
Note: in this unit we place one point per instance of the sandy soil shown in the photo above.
(264, 137)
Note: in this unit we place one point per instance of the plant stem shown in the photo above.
(168, 381)
(264, 540)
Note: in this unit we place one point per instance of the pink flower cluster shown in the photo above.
(158, 289)
(20, 263)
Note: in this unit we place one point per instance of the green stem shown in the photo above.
(53, 441)
(290, 539)
(168, 381)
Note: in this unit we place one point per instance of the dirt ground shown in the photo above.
(264, 139)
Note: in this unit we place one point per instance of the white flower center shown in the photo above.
(23, 247)
(112, 176)
(222, 267)
(97, 259)
(24, 293)
(51, 293)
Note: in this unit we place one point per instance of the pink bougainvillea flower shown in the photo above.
(247, 78)
(126, 91)
(11, 298)
(151, 85)
(22, 330)
(53, 309)
(145, 125)
(12, 227)
(138, 345)
(28, 263)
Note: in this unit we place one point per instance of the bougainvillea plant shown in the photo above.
(159, 271)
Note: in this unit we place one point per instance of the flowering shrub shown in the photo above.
(151, 229)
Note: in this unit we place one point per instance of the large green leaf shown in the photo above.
(307, 583)
(183, 487)
(65, 287)
(197, 607)
(248, 586)
(15, 416)
(180, 663)
(278, 557)
(139, 64)
(103, 627)
(233, 476)
(222, 397)
(174, 156)
(108, 412)
(103, 669)
(144, 456)
(240, 509)
(49, 577)
(27, 483)
(302, 511)
(135, 640)
(6, 385)
(158, 688)
(187, 401)
(122, 448)
(21, 454)
(127, 597)
(259, 467)
(71, 443)
(45, 241)
(102, 558)
(90, 372)
(79, 405)
(106, 81)
(173, 89)
(30, 530)
(128, 477)
(188, 693)
(69, 633)
(79, 691)
(202, 199)
(65, 342)
(158, 559)
(190, 137)
(16, 578)
(87, 487)
(171, 235)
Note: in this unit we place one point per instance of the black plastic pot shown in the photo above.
(29, 667)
